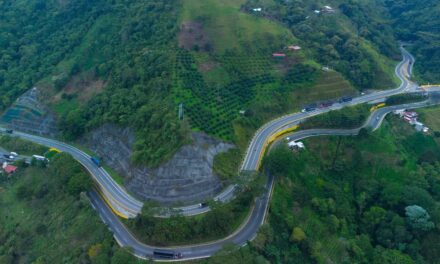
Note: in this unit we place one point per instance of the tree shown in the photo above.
(391, 256)
(123, 256)
(374, 216)
(298, 235)
(418, 218)
(78, 183)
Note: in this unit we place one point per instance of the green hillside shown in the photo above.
(345, 199)
(417, 22)
(45, 219)
(133, 63)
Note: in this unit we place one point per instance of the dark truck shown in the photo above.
(309, 108)
(345, 99)
(167, 254)
(96, 160)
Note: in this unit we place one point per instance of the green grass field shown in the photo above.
(229, 28)
(329, 85)
(431, 116)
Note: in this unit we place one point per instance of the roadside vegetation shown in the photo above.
(221, 221)
(405, 99)
(46, 217)
(21, 146)
(227, 164)
(349, 117)
(355, 199)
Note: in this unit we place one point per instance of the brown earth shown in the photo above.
(192, 37)
(207, 66)
(84, 85)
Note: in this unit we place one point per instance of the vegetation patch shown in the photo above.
(349, 117)
(226, 164)
(329, 85)
(219, 222)
(348, 192)
(21, 146)
(405, 99)
(45, 219)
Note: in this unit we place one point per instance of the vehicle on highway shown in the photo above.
(9, 131)
(40, 158)
(309, 108)
(168, 254)
(325, 104)
(96, 160)
(8, 156)
(345, 99)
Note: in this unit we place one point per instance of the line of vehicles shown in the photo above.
(166, 254)
(314, 106)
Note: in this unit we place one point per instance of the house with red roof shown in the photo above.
(278, 55)
(9, 169)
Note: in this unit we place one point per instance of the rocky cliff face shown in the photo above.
(187, 177)
(29, 114)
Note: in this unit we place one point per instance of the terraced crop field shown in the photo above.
(211, 107)
(329, 85)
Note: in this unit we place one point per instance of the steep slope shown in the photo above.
(417, 22)
(133, 63)
(353, 37)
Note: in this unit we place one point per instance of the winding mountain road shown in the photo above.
(126, 206)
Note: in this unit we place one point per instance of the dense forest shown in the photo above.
(367, 199)
(127, 44)
(417, 23)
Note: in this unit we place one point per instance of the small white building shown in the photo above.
(258, 9)
(399, 112)
(296, 145)
(421, 127)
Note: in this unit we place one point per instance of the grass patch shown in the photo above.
(226, 164)
(430, 116)
(21, 146)
(229, 28)
(349, 117)
(329, 85)
(65, 106)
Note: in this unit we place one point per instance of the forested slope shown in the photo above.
(418, 23)
(127, 44)
(133, 63)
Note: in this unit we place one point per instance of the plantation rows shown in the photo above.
(212, 109)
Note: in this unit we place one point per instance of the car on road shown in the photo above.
(167, 254)
(96, 160)
(8, 156)
(14, 154)
(309, 108)
(325, 104)
(345, 99)
(9, 131)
